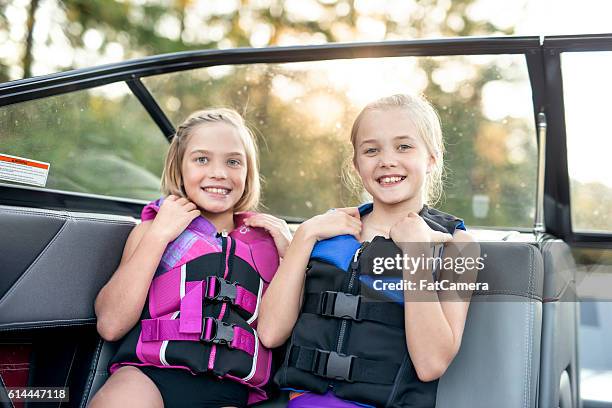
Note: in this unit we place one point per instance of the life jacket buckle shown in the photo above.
(224, 291)
(333, 365)
(341, 305)
(220, 333)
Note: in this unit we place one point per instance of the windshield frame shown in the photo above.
(542, 56)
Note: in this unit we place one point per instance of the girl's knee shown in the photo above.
(128, 386)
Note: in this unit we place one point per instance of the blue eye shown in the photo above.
(403, 147)
(234, 162)
(202, 159)
(371, 150)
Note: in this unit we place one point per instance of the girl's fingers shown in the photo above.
(352, 211)
(356, 232)
(254, 221)
(261, 220)
(266, 224)
(274, 219)
(353, 222)
(182, 200)
(352, 227)
(441, 237)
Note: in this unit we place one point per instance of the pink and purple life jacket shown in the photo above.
(201, 311)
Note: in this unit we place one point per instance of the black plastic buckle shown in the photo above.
(336, 366)
(225, 291)
(222, 332)
(340, 304)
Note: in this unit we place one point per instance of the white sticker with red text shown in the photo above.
(22, 170)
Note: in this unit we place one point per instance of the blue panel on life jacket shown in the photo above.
(396, 296)
(337, 251)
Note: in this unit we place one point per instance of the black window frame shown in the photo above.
(542, 56)
(557, 203)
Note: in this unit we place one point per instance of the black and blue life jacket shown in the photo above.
(350, 338)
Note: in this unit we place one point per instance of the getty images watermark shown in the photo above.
(390, 270)
(489, 271)
(413, 264)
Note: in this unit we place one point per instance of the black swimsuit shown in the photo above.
(180, 388)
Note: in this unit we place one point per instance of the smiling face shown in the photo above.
(391, 157)
(214, 168)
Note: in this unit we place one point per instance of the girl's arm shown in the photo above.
(120, 302)
(277, 228)
(435, 321)
(282, 301)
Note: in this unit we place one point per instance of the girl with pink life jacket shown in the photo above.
(185, 298)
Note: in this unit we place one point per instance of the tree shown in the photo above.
(479, 158)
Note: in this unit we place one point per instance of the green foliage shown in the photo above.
(594, 200)
(4, 27)
(301, 153)
(94, 143)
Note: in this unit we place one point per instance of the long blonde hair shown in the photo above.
(172, 178)
(427, 124)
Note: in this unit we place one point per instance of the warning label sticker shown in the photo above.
(21, 170)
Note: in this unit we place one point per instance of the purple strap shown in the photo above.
(160, 330)
(189, 325)
(309, 399)
(190, 319)
(245, 299)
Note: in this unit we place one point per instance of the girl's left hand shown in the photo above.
(413, 228)
(276, 227)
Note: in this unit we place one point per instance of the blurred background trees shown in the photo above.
(302, 113)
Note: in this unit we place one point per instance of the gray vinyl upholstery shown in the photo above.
(559, 369)
(98, 373)
(66, 271)
(497, 365)
(498, 362)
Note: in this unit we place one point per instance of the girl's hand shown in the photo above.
(276, 227)
(413, 228)
(340, 221)
(174, 215)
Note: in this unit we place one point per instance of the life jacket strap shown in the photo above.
(348, 306)
(221, 290)
(342, 367)
(213, 331)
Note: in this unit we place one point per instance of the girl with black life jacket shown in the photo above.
(185, 297)
(347, 344)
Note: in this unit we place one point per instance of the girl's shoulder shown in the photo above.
(453, 224)
(262, 247)
(442, 221)
(150, 210)
(246, 233)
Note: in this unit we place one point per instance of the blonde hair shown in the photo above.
(427, 123)
(172, 178)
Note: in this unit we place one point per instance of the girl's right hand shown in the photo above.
(174, 215)
(340, 221)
